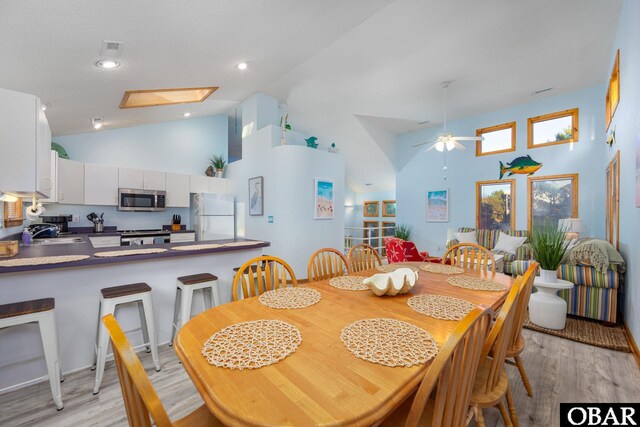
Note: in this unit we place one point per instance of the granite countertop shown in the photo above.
(86, 248)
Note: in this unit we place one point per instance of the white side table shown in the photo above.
(546, 308)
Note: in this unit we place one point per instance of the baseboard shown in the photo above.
(632, 343)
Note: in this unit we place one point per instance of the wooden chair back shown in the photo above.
(470, 255)
(261, 274)
(326, 263)
(500, 335)
(140, 398)
(523, 302)
(453, 371)
(363, 257)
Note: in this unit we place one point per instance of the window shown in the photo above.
(496, 205)
(552, 198)
(552, 129)
(371, 233)
(497, 139)
(613, 201)
(613, 93)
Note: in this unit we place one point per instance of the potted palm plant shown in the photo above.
(403, 231)
(217, 163)
(549, 246)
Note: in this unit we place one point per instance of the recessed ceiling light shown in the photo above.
(96, 122)
(45, 106)
(186, 114)
(108, 64)
(243, 66)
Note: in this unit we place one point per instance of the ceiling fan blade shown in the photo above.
(469, 138)
(424, 143)
(458, 146)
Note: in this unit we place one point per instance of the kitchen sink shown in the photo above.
(58, 241)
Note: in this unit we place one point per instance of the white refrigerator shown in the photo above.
(213, 216)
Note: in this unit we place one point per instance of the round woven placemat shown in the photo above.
(389, 342)
(390, 268)
(231, 244)
(349, 283)
(441, 268)
(196, 247)
(440, 306)
(20, 262)
(290, 298)
(112, 254)
(476, 284)
(251, 345)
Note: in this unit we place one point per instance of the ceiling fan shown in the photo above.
(447, 139)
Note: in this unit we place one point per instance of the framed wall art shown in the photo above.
(256, 198)
(438, 206)
(323, 199)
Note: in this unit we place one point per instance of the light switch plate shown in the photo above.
(76, 218)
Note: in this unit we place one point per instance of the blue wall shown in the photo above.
(182, 146)
(627, 125)
(422, 171)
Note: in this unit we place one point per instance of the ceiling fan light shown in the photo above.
(440, 146)
(450, 145)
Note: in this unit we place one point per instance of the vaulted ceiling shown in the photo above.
(354, 72)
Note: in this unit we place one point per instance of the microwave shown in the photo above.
(134, 200)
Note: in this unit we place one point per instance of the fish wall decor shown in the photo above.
(523, 165)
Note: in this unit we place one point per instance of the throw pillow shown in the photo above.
(469, 237)
(507, 243)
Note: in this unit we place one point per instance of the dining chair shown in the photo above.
(516, 341)
(140, 399)
(326, 263)
(451, 374)
(363, 257)
(491, 383)
(261, 274)
(470, 255)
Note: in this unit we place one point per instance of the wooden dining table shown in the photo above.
(321, 383)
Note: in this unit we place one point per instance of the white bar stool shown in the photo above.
(186, 285)
(41, 311)
(139, 293)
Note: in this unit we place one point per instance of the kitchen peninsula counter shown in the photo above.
(86, 248)
(76, 288)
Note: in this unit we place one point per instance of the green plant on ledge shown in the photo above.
(217, 164)
(403, 231)
(549, 245)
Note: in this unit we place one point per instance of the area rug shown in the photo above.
(588, 332)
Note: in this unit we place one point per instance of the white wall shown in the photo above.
(289, 173)
(627, 125)
(422, 171)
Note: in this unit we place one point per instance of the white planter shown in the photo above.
(549, 276)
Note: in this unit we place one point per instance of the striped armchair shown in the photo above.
(489, 238)
(595, 295)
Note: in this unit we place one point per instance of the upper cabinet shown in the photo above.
(70, 182)
(218, 185)
(25, 144)
(100, 185)
(141, 180)
(177, 190)
(198, 184)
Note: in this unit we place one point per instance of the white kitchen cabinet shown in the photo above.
(53, 155)
(131, 178)
(182, 237)
(70, 182)
(104, 241)
(154, 180)
(218, 185)
(198, 184)
(177, 187)
(25, 144)
(100, 185)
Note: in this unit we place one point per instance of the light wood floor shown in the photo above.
(559, 370)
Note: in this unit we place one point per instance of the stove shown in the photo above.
(144, 237)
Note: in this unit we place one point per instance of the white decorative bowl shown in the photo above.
(394, 283)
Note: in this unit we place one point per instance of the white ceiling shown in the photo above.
(352, 72)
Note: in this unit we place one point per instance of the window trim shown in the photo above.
(512, 182)
(574, 113)
(613, 201)
(610, 111)
(495, 128)
(574, 204)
